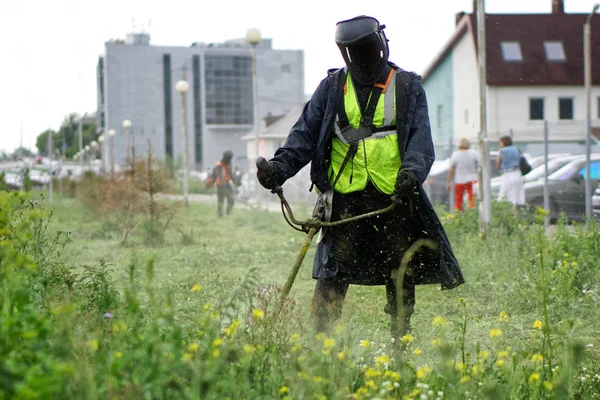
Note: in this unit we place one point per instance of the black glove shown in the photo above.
(267, 175)
(406, 185)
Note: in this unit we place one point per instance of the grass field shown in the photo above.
(190, 318)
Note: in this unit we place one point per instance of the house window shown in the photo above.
(565, 108)
(536, 109)
(555, 51)
(511, 51)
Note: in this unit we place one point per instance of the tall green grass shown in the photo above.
(81, 316)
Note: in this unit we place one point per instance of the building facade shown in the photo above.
(136, 82)
(534, 77)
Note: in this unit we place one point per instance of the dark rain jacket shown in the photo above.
(310, 141)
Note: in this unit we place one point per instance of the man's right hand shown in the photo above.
(266, 173)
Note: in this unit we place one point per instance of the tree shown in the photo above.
(67, 136)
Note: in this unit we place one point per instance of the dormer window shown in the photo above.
(555, 52)
(511, 51)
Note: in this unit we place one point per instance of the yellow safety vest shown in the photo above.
(378, 156)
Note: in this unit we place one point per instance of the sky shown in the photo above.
(50, 48)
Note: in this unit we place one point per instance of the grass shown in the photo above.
(212, 272)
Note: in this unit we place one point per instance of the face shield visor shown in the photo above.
(364, 48)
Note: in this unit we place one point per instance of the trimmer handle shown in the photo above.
(263, 165)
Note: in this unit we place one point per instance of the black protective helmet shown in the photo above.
(364, 47)
(227, 156)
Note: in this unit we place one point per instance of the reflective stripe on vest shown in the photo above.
(378, 156)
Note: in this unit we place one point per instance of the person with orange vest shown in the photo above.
(224, 182)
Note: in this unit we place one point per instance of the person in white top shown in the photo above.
(463, 171)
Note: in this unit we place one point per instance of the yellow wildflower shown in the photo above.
(422, 372)
(548, 385)
(257, 313)
(566, 255)
(503, 316)
(465, 379)
(574, 264)
(186, 356)
(372, 373)
(495, 333)
(362, 391)
(294, 337)
(207, 306)
(328, 343)
(383, 359)
(217, 342)
(197, 287)
(214, 314)
(303, 375)
(436, 342)
(371, 384)
(193, 347)
(483, 355)
(438, 321)
(93, 344)
(118, 354)
(365, 343)
(296, 347)
(408, 338)
(537, 324)
(341, 355)
(537, 358)
(284, 390)
(503, 354)
(339, 329)
(534, 378)
(499, 363)
(248, 349)
(216, 353)
(417, 352)
(475, 370)
(393, 375)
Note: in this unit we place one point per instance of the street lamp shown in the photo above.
(587, 68)
(111, 138)
(127, 126)
(182, 87)
(253, 37)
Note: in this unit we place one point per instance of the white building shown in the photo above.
(535, 74)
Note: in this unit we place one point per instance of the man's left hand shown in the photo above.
(406, 185)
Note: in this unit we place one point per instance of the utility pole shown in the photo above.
(546, 194)
(587, 67)
(485, 206)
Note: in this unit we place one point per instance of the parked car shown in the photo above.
(566, 189)
(596, 202)
(555, 161)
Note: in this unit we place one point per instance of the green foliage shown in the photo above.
(68, 136)
(196, 322)
(27, 184)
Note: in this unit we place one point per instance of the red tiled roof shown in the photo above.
(531, 30)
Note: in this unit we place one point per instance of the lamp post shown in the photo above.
(111, 138)
(127, 127)
(182, 87)
(80, 131)
(102, 152)
(253, 37)
(587, 67)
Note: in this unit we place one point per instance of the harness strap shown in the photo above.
(367, 116)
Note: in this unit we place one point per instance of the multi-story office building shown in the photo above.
(136, 82)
